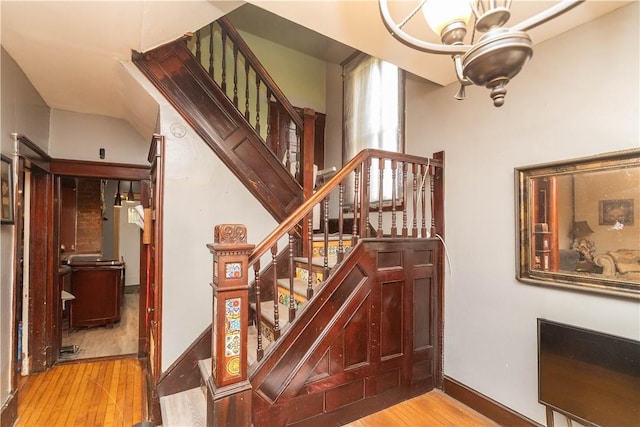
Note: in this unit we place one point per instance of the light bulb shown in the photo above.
(441, 13)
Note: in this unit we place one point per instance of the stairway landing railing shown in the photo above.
(237, 71)
(399, 193)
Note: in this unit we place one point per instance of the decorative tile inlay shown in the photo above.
(232, 339)
(233, 270)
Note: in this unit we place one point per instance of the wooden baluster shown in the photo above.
(340, 221)
(224, 61)
(394, 182)
(325, 212)
(235, 75)
(381, 164)
(356, 198)
(414, 228)
(198, 51)
(247, 115)
(258, 104)
(432, 172)
(423, 195)
(310, 255)
(365, 200)
(269, 136)
(405, 231)
(292, 272)
(211, 72)
(256, 271)
(276, 315)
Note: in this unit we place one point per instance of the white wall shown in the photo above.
(25, 112)
(79, 136)
(578, 96)
(301, 77)
(200, 192)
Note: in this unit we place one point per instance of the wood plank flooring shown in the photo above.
(433, 409)
(101, 393)
(100, 341)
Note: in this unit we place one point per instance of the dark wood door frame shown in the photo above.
(44, 243)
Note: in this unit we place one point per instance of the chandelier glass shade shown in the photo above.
(498, 55)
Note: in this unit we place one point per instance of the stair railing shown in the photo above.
(408, 176)
(234, 67)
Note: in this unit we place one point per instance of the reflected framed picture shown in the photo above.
(618, 212)
(6, 178)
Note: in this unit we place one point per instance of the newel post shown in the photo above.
(229, 391)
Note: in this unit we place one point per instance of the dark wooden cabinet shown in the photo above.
(98, 293)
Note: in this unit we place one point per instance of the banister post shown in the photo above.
(308, 161)
(228, 390)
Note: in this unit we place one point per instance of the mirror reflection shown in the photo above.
(579, 222)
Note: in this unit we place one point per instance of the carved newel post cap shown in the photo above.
(230, 234)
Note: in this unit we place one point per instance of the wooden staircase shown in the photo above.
(343, 323)
(303, 287)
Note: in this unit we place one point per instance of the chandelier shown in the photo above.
(499, 53)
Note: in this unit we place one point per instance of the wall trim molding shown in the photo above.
(9, 413)
(485, 405)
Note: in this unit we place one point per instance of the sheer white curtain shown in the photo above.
(373, 114)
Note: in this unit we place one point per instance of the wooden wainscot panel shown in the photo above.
(389, 259)
(353, 345)
(391, 320)
(357, 338)
(344, 395)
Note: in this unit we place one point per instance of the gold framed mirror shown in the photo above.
(578, 223)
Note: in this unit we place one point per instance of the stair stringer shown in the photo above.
(174, 70)
(338, 361)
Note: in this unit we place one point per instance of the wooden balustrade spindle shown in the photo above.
(365, 200)
(432, 172)
(211, 72)
(405, 231)
(259, 348)
(310, 255)
(394, 179)
(356, 198)
(198, 51)
(269, 120)
(223, 84)
(340, 221)
(325, 261)
(247, 115)
(414, 228)
(276, 315)
(292, 273)
(258, 104)
(423, 195)
(235, 75)
(381, 165)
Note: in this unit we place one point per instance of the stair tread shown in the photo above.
(299, 286)
(187, 408)
(267, 311)
(318, 261)
(332, 237)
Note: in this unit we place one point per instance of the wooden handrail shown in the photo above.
(297, 215)
(232, 33)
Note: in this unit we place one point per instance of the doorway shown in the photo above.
(100, 244)
(43, 297)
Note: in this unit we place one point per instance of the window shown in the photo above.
(373, 113)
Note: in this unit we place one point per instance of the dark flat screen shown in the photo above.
(591, 376)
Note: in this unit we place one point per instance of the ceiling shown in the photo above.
(73, 51)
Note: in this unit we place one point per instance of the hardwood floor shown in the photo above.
(111, 393)
(433, 409)
(100, 341)
(101, 393)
